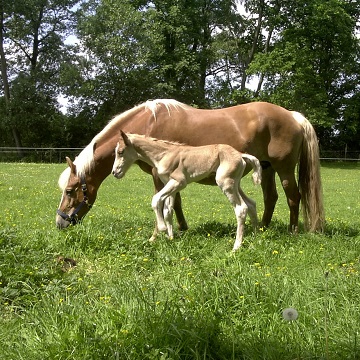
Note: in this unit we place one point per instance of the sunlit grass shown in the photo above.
(188, 298)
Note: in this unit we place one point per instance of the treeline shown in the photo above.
(105, 56)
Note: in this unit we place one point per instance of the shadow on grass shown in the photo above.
(341, 229)
(218, 229)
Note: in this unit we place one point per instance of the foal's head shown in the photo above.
(125, 156)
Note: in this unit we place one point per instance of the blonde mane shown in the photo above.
(85, 161)
(132, 136)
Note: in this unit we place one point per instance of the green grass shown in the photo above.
(189, 298)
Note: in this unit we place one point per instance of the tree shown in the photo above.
(5, 80)
(150, 49)
(311, 66)
(32, 49)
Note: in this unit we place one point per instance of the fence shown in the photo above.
(43, 155)
(57, 155)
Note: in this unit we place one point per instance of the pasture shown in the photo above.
(187, 298)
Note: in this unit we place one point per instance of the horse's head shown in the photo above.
(125, 156)
(76, 199)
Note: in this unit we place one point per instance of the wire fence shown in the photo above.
(37, 155)
(57, 155)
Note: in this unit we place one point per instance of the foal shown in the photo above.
(178, 165)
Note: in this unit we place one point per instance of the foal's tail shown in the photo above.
(309, 178)
(255, 163)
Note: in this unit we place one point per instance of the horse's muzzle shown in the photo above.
(117, 174)
(61, 223)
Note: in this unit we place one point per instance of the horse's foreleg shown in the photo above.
(270, 194)
(182, 224)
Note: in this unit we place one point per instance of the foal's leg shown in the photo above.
(251, 204)
(230, 187)
(168, 211)
(177, 206)
(158, 199)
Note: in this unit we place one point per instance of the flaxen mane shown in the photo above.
(85, 161)
(155, 139)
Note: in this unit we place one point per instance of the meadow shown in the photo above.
(186, 298)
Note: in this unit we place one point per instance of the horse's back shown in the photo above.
(264, 130)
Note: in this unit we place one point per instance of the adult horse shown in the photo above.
(279, 138)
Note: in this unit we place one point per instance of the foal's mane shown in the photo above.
(85, 161)
(130, 136)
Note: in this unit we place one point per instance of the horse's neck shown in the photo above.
(103, 161)
(150, 151)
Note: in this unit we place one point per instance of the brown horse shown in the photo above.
(279, 138)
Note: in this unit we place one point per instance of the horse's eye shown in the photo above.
(69, 192)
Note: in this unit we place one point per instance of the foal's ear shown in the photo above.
(71, 164)
(125, 138)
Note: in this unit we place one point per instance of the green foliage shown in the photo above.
(312, 66)
(32, 38)
(303, 55)
(188, 298)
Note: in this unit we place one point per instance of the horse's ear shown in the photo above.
(125, 138)
(71, 164)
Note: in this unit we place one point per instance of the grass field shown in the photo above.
(189, 298)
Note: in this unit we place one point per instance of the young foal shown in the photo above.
(178, 165)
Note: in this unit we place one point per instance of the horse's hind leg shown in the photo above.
(291, 189)
(270, 194)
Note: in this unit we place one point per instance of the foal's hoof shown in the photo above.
(236, 248)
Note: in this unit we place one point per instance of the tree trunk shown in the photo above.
(254, 45)
(3, 65)
(261, 78)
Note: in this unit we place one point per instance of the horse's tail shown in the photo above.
(309, 178)
(255, 163)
